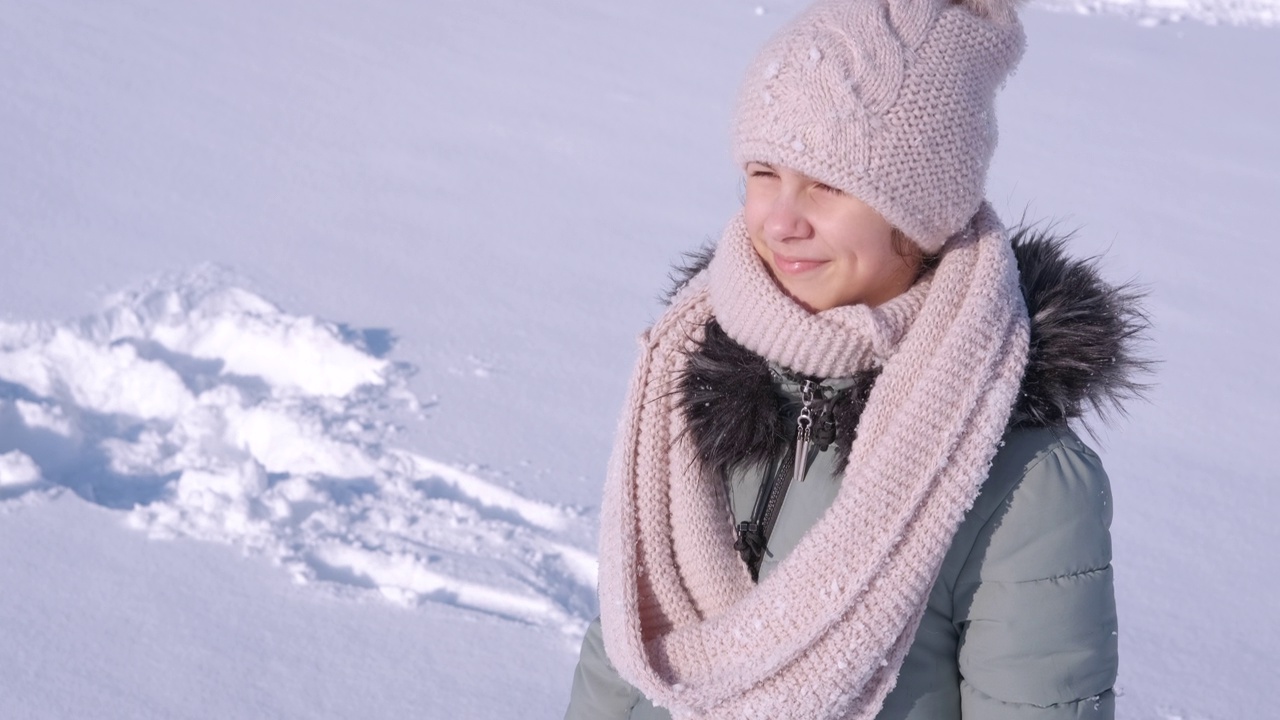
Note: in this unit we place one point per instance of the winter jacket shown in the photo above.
(1021, 621)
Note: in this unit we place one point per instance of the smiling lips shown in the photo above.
(795, 266)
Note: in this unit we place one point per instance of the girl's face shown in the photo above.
(825, 248)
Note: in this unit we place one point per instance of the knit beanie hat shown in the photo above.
(891, 101)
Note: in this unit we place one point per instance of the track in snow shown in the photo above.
(198, 409)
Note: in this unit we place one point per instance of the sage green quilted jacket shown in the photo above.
(1021, 623)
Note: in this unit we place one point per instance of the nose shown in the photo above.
(786, 220)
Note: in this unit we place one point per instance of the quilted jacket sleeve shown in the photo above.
(599, 693)
(1034, 603)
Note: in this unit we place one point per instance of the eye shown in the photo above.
(827, 188)
(760, 171)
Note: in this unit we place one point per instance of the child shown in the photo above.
(844, 485)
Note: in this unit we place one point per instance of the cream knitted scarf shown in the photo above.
(825, 634)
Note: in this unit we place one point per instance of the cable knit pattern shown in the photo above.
(891, 101)
(825, 634)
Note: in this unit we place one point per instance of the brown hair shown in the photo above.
(911, 253)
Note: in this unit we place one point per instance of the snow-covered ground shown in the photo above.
(204, 411)
(352, 293)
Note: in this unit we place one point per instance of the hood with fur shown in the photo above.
(1082, 357)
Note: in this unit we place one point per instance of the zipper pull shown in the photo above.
(804, 431)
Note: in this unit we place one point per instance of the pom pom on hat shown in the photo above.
(996, 10)
(892, 101)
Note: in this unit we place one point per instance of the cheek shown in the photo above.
(868, 246)
(754, 212)
(754, 220)
(879, 253)
(762, 250)
(874, 235)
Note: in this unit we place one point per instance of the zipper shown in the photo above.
(753, 534)
(804, 431)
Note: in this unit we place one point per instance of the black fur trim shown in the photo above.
(1083, 356)
(1083, 335)
(848, 411)
(691, 263)
(732, 407)
(735, 411)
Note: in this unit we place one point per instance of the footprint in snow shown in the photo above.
(201, 410)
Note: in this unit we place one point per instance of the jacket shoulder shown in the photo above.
(1033, 597)
(1045, 510)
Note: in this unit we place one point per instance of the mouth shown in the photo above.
(795, 266)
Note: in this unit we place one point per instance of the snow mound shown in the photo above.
(16, 469)
(1257, 13)
(201, 410)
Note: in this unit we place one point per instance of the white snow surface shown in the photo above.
(1149, 13)
(207, 412)
(315, 319)
(18, 469)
